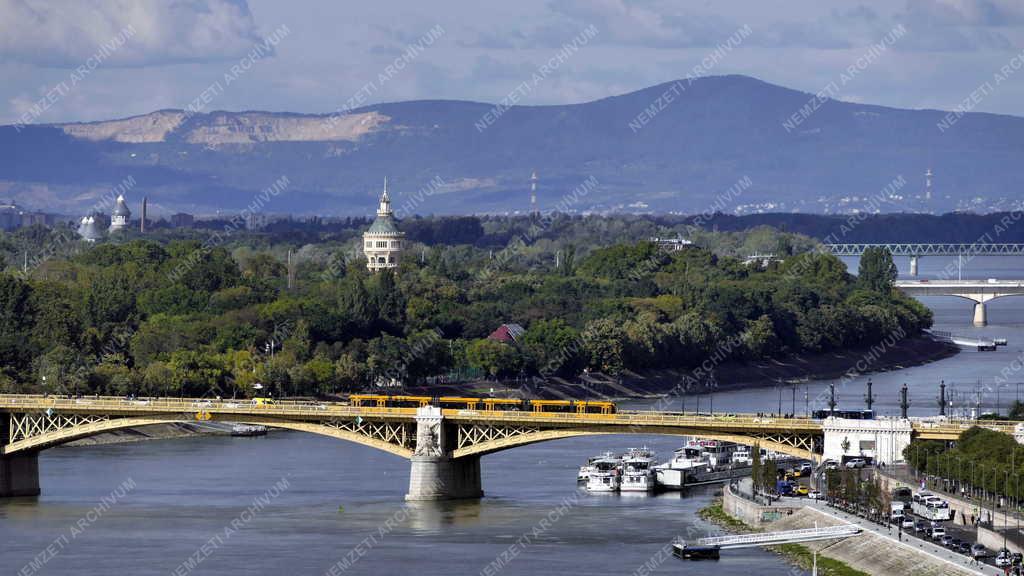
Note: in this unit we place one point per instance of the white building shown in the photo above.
(383, 242)
(121, 216)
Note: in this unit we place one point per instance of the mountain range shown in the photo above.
(718, 143)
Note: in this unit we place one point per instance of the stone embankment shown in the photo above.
(869, 552)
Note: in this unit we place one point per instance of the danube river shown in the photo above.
(323, 506)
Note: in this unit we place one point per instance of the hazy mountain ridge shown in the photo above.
(684, 155)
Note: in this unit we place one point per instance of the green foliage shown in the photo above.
(982, 458)
(877, 271)
(201, 313)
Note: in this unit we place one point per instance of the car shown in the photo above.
(921, 526)
(802, 490)
(979, 550)
(831, 465)
(806, 469)
(937, 533)
(1003, 558)
(964, 548)
(815, 495)
(856, 463)
(954, 543)
(1017, 558)
(946, 540)
(907, 523)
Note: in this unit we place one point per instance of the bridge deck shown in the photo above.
(627, 421)
(922, 249)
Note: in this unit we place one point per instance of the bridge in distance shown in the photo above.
(443, 445)
(916, 250)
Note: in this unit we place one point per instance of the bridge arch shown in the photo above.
(62, 435)
(776, 443)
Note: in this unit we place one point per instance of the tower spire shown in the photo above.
(533, 192)
(385, 203)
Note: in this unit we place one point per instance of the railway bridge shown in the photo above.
(916, 250)
(444, 445)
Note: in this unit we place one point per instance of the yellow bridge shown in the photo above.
(444, 445)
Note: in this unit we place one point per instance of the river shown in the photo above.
(186, 506)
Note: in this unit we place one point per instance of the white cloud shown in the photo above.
(66, 33)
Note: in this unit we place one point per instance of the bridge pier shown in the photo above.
(980, 314)
(913, 265)
(19, 475)
(434, 474)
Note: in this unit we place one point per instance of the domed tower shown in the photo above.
(121, 215)
(383, 242)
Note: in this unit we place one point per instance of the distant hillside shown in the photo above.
(682, 155)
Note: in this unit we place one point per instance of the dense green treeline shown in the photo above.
(981, 460)
(196, 316)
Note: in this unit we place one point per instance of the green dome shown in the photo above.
(383, 225)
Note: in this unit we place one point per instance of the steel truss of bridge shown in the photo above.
(912, 249)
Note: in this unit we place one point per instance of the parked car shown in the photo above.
(921, 526)
(979, 550)
(954, 543)
(806, 469)
(1004, 558)
(946, 539)
(831, 465)
(964, 548)
(937, 533)
(907, 523)
(856, 463)
(815, 495)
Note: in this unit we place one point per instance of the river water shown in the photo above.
(186, 506)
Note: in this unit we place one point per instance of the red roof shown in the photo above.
(507, 333)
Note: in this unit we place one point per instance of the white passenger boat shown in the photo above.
(638, 473)
(686, 460)
(605, 475)
(584, 474)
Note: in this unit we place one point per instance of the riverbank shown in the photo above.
(796, 554)
(155, 432)
(728, 375)
(876, 551)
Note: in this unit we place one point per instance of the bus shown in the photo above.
(933, 508)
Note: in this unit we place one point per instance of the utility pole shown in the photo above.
(832, 397)
(942, 397)
(869, 399)
(904, 402)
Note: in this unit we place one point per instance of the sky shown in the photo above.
(85, 60)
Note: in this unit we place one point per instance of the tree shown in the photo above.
(603, 342)
(877, 271)
(494, 358)
(553, 348)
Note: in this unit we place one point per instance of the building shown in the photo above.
(507, 333)
(10, 216)
(672, 244)
(383, 242)
(121, 216)
(182, 220)
(89, 230)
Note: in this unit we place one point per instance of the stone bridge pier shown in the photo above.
(19, 473)
(434, 474)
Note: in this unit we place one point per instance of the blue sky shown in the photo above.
(329, 53)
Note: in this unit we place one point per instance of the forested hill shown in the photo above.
(195, 319)
(679, 146)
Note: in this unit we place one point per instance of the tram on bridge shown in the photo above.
(487, 404)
